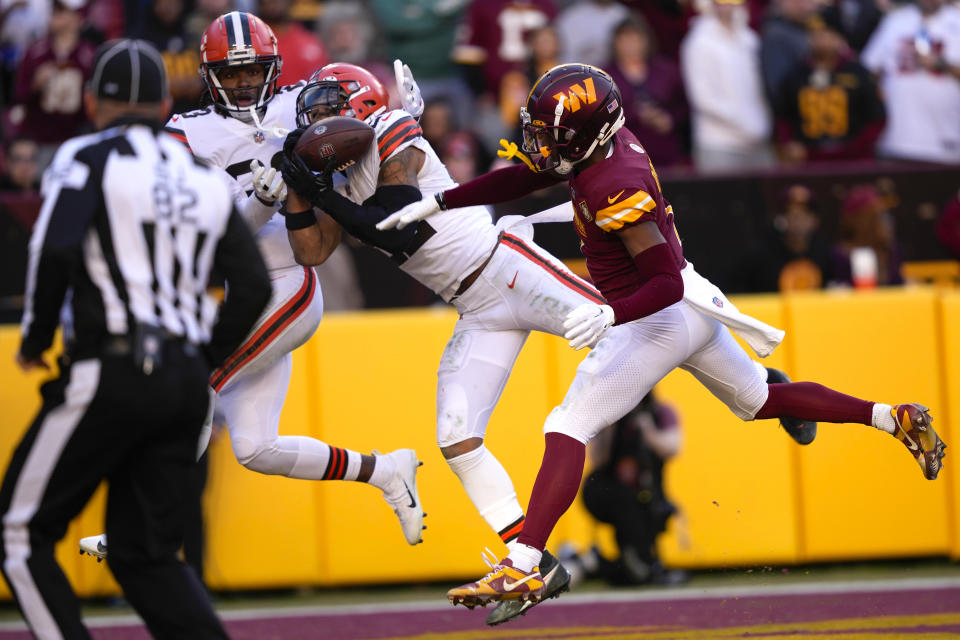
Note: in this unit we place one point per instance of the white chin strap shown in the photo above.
(606, 133)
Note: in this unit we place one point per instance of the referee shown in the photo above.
(132, 226)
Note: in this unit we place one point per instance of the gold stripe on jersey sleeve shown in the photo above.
(625, 211)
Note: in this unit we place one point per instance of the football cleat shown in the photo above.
(915, 431)
(96, 546)
(504, 582)
(401, 493)
(556, 580)
(803, 431)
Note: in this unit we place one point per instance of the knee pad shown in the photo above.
(751, 397)
(560, 420)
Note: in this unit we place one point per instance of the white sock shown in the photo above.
(883, 418)
(525, 558)
(489, 486)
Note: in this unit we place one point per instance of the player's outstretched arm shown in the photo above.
(501, 185)
(312, 243)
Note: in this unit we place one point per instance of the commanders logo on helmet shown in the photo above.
(570, 110)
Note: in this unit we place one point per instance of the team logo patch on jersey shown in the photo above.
(258, 137)
(717, 301)
(585, 211)
(636, 147)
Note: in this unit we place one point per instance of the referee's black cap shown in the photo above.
(130, 71)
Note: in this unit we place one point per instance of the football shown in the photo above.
(344, 139)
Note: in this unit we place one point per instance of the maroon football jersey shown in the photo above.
(619, 192)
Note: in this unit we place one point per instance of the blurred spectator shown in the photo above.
(204, 12)
(459, 156)
(461, 147)
(21, 22)
(348, 34)
(515, 84)
(916, 53)
(948, 226)
(831, 108)
(493, 38)
(858, 19)
(783, 43)
(626, 490)
(721, 72)
(653, 97)
(107, 19)
(166, 29)
(19, 206)
(867, 229)
(585, 29)
(21, 168)
(421, 34)
(669, 20)
(301, 50)
(49, 88)
(794, 254)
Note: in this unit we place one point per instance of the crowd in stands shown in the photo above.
(709, 86)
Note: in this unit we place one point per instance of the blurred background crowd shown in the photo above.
(803, 143)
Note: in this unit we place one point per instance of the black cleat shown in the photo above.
(556, 580)
(803, 431)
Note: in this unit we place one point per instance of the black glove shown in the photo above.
(301, 179)
(291, 140)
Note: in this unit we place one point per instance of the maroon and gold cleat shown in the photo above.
(504, 582)
(915, 431)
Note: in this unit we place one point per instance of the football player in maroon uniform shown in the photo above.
(659, 314)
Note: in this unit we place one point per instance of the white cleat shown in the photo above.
(401, 493)
(95, 546)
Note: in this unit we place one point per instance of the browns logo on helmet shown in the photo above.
(570, 110)
(238, 39)
(341, 89)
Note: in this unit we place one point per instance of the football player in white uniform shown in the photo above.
(502, 283)
(242, 131)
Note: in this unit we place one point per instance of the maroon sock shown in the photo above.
(555, 489)
(812, 401)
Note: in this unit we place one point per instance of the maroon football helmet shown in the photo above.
(571, 109)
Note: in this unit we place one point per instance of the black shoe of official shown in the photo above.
(556, 580)
(803, 431)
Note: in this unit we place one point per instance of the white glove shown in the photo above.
(268, 184)
(411, 213)
(408, 88)
(586, 324)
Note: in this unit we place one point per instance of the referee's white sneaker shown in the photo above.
(95, 546)
(401, 492)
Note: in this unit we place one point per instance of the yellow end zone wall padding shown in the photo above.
(748, 494)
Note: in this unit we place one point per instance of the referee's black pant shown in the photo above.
(102, 418)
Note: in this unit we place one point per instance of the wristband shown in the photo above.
(299, 219)
(441, 201)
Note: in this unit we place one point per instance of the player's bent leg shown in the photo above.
(479, 361)
(802, 431)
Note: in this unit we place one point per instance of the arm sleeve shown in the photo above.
(238, 260)
(501, 185)
(72, 197)
(662, 285)
(360, 219)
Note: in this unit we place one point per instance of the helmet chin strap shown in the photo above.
(606, 133)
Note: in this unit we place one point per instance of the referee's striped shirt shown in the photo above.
(134, 225)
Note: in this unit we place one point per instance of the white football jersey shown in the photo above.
(464, 237)
(231, 144)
